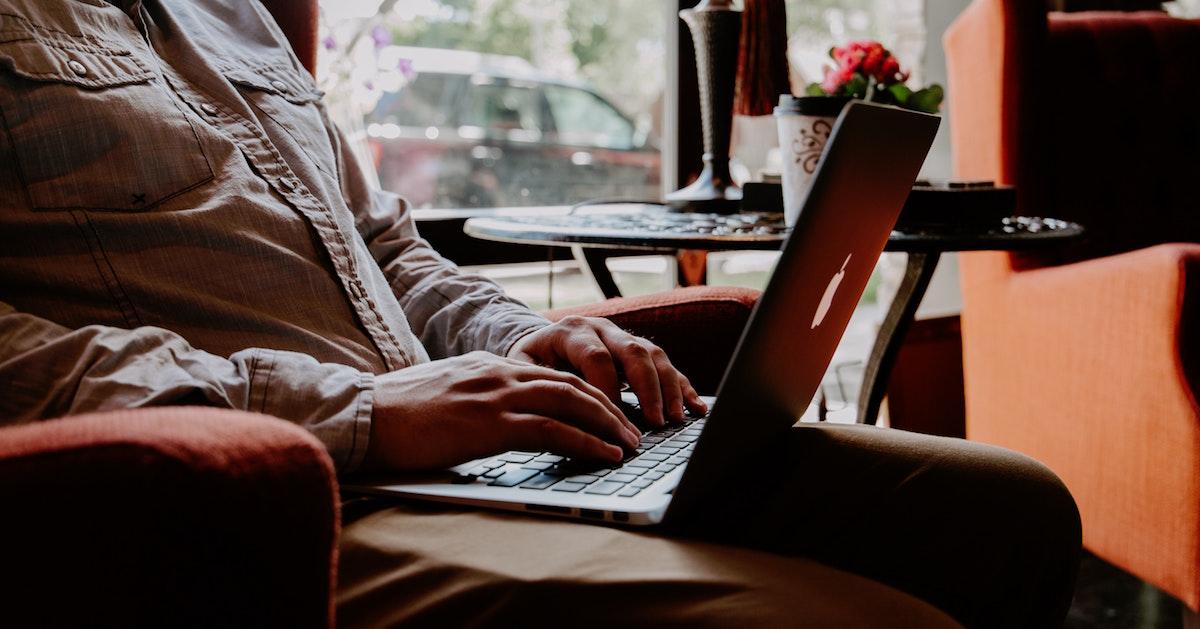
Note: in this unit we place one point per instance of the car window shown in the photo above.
(421, 103)
(582, 118)
(503, 109)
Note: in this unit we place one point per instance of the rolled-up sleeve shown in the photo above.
(47, 371)
(452, 312)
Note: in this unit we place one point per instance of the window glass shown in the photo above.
(482, 103)
(423, 103)
(499, 109)
(816, 25)
(581, 118)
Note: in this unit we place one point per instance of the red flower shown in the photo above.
(836, 78)
(868, 58)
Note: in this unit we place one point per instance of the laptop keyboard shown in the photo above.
(660, 451)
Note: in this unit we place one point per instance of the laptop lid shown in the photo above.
(870, 163)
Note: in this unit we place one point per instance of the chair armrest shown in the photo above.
(167, 517)
(698, 327)
(1092, 368)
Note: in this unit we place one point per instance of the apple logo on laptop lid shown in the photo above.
(827, 298)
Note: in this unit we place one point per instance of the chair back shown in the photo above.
(298, 19)
(1094, 117)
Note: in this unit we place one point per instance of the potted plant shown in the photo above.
(867, 70)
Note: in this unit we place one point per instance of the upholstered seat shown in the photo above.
(1089, 359)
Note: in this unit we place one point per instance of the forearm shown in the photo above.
(452, 312)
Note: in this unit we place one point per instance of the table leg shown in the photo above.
(594, 264)
(917, 272)
(692, 267)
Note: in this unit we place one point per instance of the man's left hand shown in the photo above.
(596, 348)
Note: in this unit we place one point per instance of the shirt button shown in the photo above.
(279, 85)
(77, 68)
(209, 109)
(288, 182)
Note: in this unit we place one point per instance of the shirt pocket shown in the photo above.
(92, 127)
(292, 103)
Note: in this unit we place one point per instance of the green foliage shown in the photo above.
(492, 27)
(856, 87)
(928, 100)
(900, 92)
(615, 45)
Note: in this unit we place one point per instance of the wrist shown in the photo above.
(521, 339)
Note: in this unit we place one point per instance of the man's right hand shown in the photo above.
(450, 411)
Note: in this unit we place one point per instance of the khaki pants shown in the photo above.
(840, 526)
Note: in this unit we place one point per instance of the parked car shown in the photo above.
(476, 130)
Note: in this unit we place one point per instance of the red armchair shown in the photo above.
(167, 517)
(1089, 360)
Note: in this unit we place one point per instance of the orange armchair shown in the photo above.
(1089, 360)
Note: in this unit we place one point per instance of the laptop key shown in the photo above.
(585, 479)
(568, 486)
(664, 467)
(622, 478)
(677, 459)
(630, 491)
(655, 475)
(676, 443)
(641, 483)
(549, 458)
(641, 463)
(494, 473)
(492, 464)
(539, 466)
(653, 456)
(541, 481)
(606, 488)
(665, 449)
(686, 438)
(478, 470)
(513, 478)
(517, 457)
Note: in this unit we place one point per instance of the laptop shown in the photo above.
(870, 163)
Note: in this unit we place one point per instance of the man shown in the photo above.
(181, 224)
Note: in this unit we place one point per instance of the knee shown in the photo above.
(1031, 498)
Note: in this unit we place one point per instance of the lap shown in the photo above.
(843, 511)
(413, 564)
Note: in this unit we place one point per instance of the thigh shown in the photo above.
(428, 565)
(984, 533)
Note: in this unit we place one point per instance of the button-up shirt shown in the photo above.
(181, 223)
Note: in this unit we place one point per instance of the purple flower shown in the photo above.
(405, 67)
(329, 43)
(381, 36)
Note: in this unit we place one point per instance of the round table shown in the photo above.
(624, 226)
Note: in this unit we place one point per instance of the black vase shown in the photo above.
(716, 29)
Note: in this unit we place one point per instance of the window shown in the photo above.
(501, 110)
(423, 103)
(485, 103)
(583, 119)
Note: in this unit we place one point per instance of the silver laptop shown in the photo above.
(869, 165)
